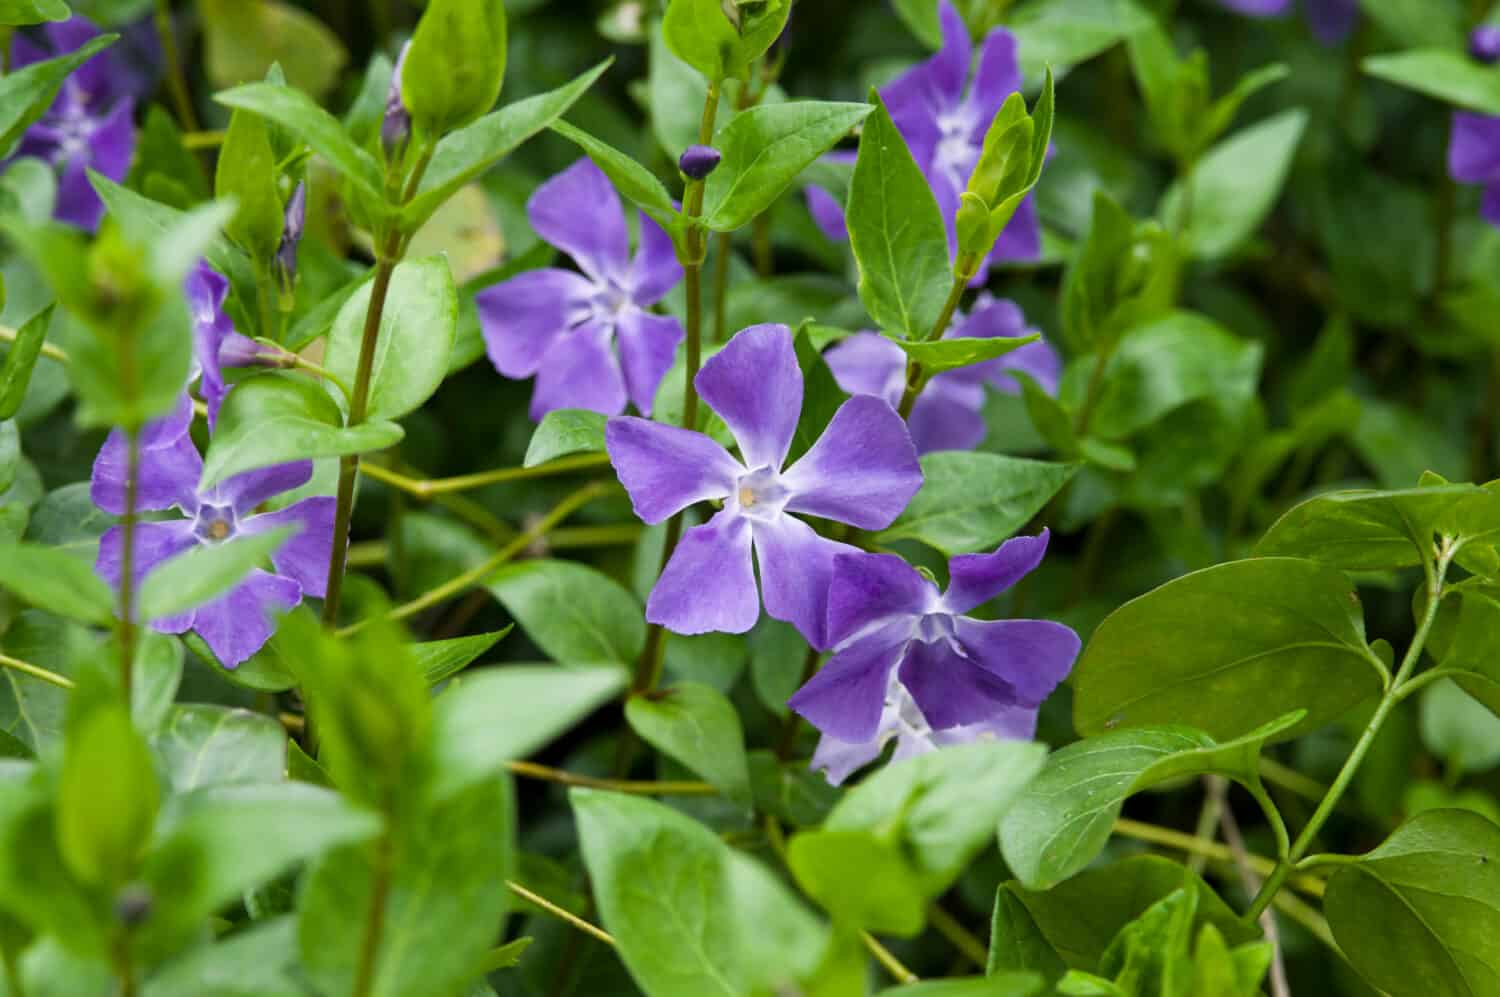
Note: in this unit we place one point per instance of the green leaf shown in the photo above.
(1420, 915)
(1472, 653)
(147, 222)
(676, 93)
(456, 64)
(203, 745)
(921, 18)
(107, 793)
(32, 711)
(57, 581)
(565, 431)
(821, 396)
(764, 150)
(701, 33)
(20, 12)
(1065, 32)
(1459, 731)
(690, 916)
(248, 173)
(20, 361)
(951, 354)
(296, 111)
(696, 725)
(1445, 74)
(442, 659)
(416, 335)
(10, 453)
(1365, 530)
(275, 418)
(26, 93)
(244, 40)
(463, 155)
(1079, 918)
(502, 714)
(572, 612)
(1016, 943)
(994, 985)
(1421, 23)
(157, 674)
(635, 183)
(206, 572)
(862, 880)
(1230, 648)
(1234, 185)
(897, 234)
(971, 501)
(1062, 821)
(258, 961)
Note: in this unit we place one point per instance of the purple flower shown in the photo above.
(944, 120)
(216, 344)
(395, 124)
(1331, 21)
(907, 662)
(1484, 44)
(562, 326)
(239, 623)
(87, 127)
(861, 471)
(1474, 157)
(947, 414)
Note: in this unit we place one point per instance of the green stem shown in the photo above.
(127, 562)
(636, 787)
(369, 947)
(13, 981)
(1393, 695)
(1091, 394)
(760, 240)
(428, 488)
(915, 379)
(8, 335)
(176, 80)
(35, 671)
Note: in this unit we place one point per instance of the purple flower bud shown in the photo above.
(291, 237)
(699, 161)
(395, 127)
(133, 905)
(1484, 43)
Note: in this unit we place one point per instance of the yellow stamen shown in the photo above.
(747, 497)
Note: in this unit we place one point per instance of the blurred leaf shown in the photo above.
(1401, 444)
(56, 581)
(1060, 33)
(971, 501)
(16, 369)
(1447, 75)
(455, 66)
(862, 880)
(26, 93)
(245, 37)
(206, 572)
(107, 793)
(676, 92)
(1457, 730)
(572, 612)
(19, 12)
(204, 745)
(442, 659)
(697, 726)
(297, 112)
(258, 961)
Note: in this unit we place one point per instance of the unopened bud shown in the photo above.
(291, 237)
(1484, 43)
(133, 905)
(699, 161)
(395, 127)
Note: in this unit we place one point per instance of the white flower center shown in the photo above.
(74, 130)
(214, 524)
(760, 494)
(956, 152)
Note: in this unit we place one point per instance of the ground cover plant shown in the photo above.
(749, 497)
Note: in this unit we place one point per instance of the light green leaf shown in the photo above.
(971, 501)
(20, 361)
(696, 725)
(442, 659)
(456, 64)
(1065, 32)
(703, 36)
(859, 878)
(21, 12)
(206, 572)
(1366, 530)
(244, 40)
(297, 112)
(951, 354)
(1459, 731)
(259, 960)
(565, 431)
(57, 581)
(204, 745)
(571, 611)
(635, 183)
(1447, 75)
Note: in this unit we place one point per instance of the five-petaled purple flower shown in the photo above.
(907, 663)
(862, 471)
(1474, 145)
(216, 344)
(87, 127)
(1330, 20)
(948, 413)
(237, 624)
(944, 120)
(562, 326)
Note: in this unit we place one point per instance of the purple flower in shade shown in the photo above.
(826, 210)
(563, 326)
(947, 414)
(908, 664)
(861, 471)
(87, 127)
(238, 624)
(216, 344)
(944, 120)
(1331, 21)
(1474, 157)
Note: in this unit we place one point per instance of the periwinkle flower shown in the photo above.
(1474, 144)
(862, 471)
(87, 127)
(564, 327)
(239, 623)
(948, 413)
(908, 663)
(216, 344)
(1331, 21)
(944, 117)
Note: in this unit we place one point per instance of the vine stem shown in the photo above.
(369, 947)
(426, 488)
(559, 913)
(8, 335)
(636, 787)
(1394, 693)
(915, 379)
(35, 671)
(127, 561)
(176, 81)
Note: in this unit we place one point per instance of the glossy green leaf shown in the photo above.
(897, 234)
(1366, 530)
(702, 33)
(442, 659)
(952, 354)
(1420, 915)
(764, 150)
(563, 432)
(276, 418)
(1228, 649)
(572, 612)
(416, 335)
(26, 93)
(206, 572)
(20, 361)
(57, 581)
(248, 173)
(502, 714)
(696, 725)
(1063, 819)
(1016, 943)
(205, 745)
(297, 112)
(971, 501)
(1449, 76)
(635, 183)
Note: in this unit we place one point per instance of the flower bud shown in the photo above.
(395, 127)
(133, 905)
(698, 161)
(291, 236)
(1484, 43)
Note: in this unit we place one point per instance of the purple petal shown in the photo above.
(305, 555)
(580, 370)
(974, 579)
(1331, 20)
(648, 344)
(1030, 656)
(838, 760)
(665, 469)
(1009, 723)
(169, 467)
(1257, 8)
(25, 52)
(709, 583)
(755, 385)
(1022, 239)
(949, 689)
(947, 415)
(521, 318)
(827, 213)
(871, 589)
(77, 202)
(1039, 360)
(1489, 205)
(239, 624)
(1474, 149)
(244, 492)
(205, 291)
(998, 77)
(863, 470)
(579, 212)
(114, 143)
(922, 94)
(846, 698)
(796, 566)
(154, 544)
(868, 363)
(655, 269)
